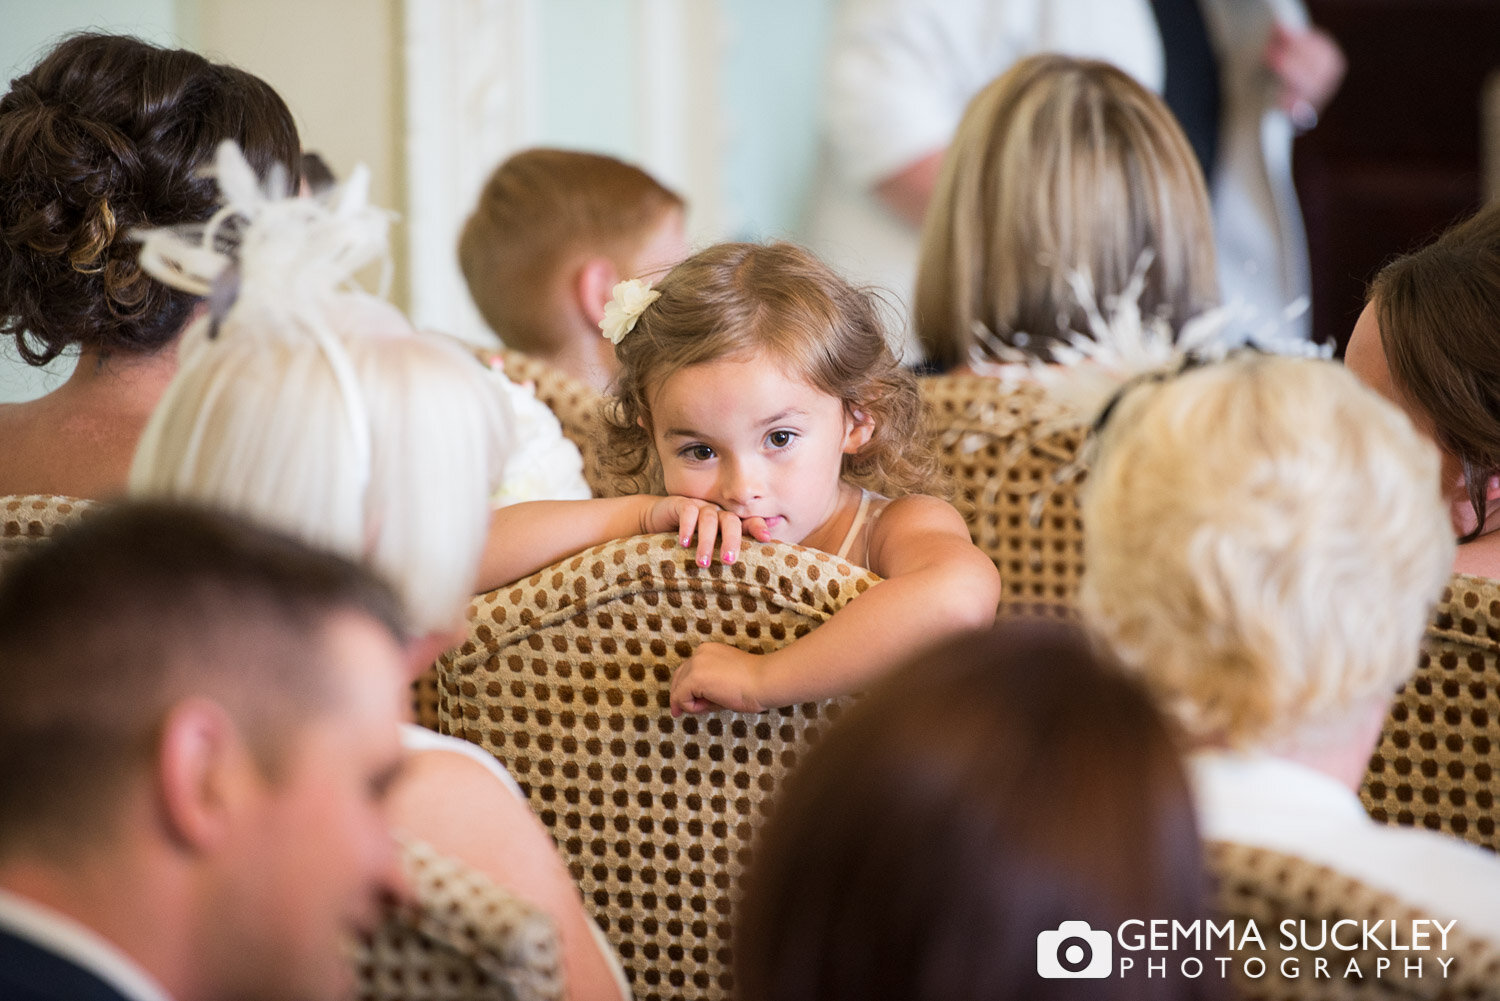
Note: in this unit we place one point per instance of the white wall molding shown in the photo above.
(471, 97)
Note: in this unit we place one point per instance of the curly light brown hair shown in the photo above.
(735, 300)
(107, 135)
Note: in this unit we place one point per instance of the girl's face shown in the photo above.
(758, 442)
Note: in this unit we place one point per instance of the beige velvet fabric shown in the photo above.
(565, 678)
(461, 938)
(1270, 887)
(29, 518)
(1438, 761)
(1015, 483)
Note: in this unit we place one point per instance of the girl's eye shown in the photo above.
(697, 453)
(780, 439)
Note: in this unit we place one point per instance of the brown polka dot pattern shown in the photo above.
(29, 518)
(1270, 887)
(565, 678)
(462, 939)
(1015, 484)
(1438, 761)
(577, 407)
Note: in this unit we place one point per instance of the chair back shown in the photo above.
(578, 408)
(26, 519)
(565, 677)
(1438, 761)
(1269, 888)
(1015, 484)
(460, 936)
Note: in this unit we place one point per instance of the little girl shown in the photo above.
(756, 391)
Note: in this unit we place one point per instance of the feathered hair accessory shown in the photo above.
(276, 264)
(626, 304)
(1123, 347)
(1090, 372)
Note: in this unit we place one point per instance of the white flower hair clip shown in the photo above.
(628, 301)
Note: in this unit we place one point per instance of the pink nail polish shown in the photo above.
(729, 556)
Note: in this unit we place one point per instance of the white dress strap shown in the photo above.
(856, 525)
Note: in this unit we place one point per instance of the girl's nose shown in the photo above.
(740, 483)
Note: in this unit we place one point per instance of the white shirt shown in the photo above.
(1267, 802)
(80, 945)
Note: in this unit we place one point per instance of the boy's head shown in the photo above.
(553, 232)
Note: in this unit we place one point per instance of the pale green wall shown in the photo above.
(769, 81)
(772, 79)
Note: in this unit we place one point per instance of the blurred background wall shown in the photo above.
(715, 97)
(720, 99)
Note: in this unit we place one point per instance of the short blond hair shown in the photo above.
(1060, 166)
(538, 211)
(1264, 541)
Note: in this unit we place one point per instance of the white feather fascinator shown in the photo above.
(1090, 371)
(273, 265)
(307, 403)
(1122, 346)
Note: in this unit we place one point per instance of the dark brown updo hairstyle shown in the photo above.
(734, 300)
(106, 135)
(1438, 310)
(986, 792)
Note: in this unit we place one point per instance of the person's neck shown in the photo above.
(1338, 748)
(132, 907)
(128, 383)
(588, 358)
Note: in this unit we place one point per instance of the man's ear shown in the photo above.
(202, 773)
(859, 429)
(593, 284)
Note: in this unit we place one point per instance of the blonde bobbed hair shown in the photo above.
(1264, 541)
(1060, 167)
(263, 426)
(314, 407)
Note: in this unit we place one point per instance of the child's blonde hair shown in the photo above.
(1061, 166)
(738, 299)
(539, 209)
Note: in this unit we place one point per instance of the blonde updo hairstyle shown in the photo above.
(316, 408)
(1264, 541)
(735, 300)
(1060, 167)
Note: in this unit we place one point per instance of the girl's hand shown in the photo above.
(690, 516)
(717, 676)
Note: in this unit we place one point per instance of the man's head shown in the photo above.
(553, 231)
(210, 707)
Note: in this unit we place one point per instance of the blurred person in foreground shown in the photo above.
(197, 735)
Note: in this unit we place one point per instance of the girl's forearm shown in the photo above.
(525, 538)
(878, 630)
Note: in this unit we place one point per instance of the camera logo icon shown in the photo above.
(1074, 951)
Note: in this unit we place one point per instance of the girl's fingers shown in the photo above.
(729, 527)
(708, 531)
(687, 524)
(757, 529)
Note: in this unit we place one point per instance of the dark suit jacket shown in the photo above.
(31, 973)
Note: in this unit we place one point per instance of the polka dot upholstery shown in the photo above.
(1269, 887)
(1438, 761)
(565, 678)
(1014, 485)
(462, 938)
(28, 518)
